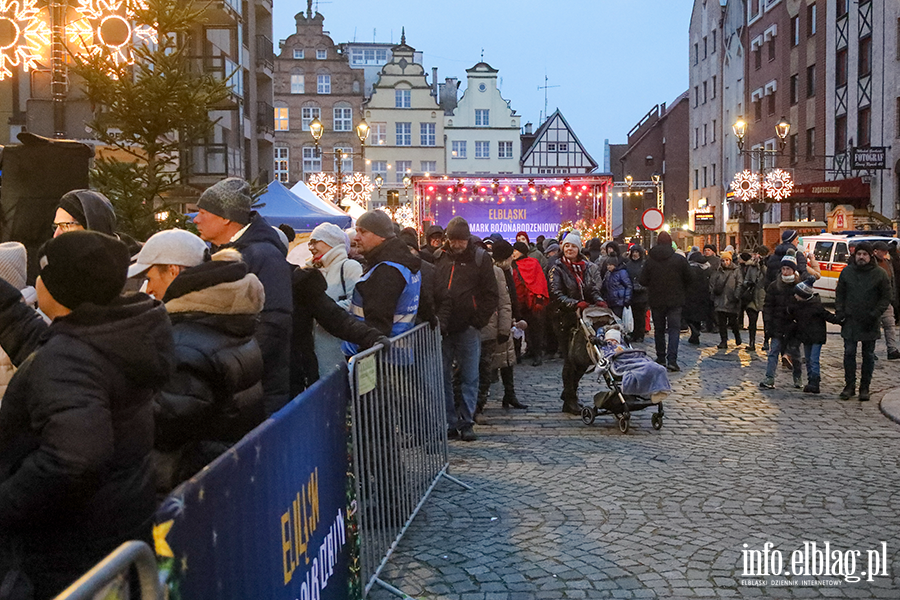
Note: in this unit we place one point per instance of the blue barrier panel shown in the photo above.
(269, 518)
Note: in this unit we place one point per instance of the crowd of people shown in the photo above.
(129, 367)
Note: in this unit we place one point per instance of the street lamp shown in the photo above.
(747, 184)
(317, 130)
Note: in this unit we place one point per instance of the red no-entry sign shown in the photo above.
(652, 219)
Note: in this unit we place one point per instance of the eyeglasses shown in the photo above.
(67, 226)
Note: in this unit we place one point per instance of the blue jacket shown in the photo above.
(617, 288)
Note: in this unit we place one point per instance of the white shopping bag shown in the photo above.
(628, 319)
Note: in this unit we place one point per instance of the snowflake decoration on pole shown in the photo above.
(778, 185)
(108, 27)
(358, 188)
(404, 215)
(746, 185)
(23, 34)
(323, 186)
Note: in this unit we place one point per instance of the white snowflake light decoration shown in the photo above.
(23, 34)
(108, 27)
(358, 188)
(778, 185)
(746, 185)
(322, 185)
(404, 215)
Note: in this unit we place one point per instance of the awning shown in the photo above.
(840, 191)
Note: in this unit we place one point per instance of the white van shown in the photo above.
(832, 250)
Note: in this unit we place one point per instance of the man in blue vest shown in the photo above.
(386, 297)
(466, 273)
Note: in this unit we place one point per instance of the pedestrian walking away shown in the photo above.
(666, 276)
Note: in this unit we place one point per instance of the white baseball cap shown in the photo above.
(170, 247)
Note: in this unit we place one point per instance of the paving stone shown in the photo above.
(661, 514)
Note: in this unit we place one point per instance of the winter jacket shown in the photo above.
(215, 395)
(616, 288)
(261, 249)
(776, 316)
(810, 317)
(76, 431)
(666, 277)
(381, 290)
(725, 286)
(698, 300)
(754, 278)
(312, 304)
(639, 292)
(862, 295)
(536, 254)
(531, 284)
(341, 275)
(773, 264)
(500, 322)
(468, 281)
(7, 368)
(566, 293)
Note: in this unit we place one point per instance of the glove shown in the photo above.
(502, 338)
(582, 305)
(602, 304)
(384, 341)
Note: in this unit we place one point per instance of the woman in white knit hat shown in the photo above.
(14, 269)
(328, 245)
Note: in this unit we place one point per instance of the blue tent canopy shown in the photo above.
(283, 206)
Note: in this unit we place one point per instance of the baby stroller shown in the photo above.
(621, 368)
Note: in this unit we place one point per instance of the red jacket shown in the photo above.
(531, 284)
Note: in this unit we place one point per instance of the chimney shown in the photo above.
(434, 82)
(662, 109)
(528, 127)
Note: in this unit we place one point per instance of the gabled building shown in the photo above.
(406, 121)
(313, 80)
(554, 148)
(707, 192)
(482, 131)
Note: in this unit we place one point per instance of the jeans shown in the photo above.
(812, 353)
(890, 329)
(868, 363)
(666, 321)
(464, 347)
(791, 348)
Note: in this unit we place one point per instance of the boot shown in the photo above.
(751, 347)
(510, 401)
(864, 392)
(848, 391)
(572, 407)
(813, 386)
(737, 338)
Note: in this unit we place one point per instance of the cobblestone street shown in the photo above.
(560, 509)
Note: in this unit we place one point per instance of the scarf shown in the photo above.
(577, 269)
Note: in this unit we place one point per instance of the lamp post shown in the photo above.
(317, 130)
(748, 184)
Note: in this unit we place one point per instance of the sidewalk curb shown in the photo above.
(890, 405)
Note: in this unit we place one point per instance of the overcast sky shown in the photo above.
(613, 59)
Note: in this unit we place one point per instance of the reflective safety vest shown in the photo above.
(407, 303)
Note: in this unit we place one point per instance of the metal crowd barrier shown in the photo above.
(399, 438)
(110, 576)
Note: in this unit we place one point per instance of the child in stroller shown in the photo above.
(634, 381)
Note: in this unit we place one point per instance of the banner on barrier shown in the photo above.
(271, 517)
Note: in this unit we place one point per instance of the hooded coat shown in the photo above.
(725, 285)
(76, 431)
(666, 277)
(862, 295)
(215, 395)
(755, 279)
(810, 317)
(262, 250)
(638, 292)
(617, 288)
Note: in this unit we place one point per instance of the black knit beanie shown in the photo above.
(84, 266)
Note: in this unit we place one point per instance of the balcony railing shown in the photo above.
(265, 117)
(265, 53)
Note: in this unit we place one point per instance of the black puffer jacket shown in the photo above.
(666, 277)
(779, 296)
(381, 290)
(565, 292)
(698, 301)
(639, 294)
(470, 288)
(76, 431)
(261, 249)
(773, 264)
(215, 395)
(311, 303)
(810, 318)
